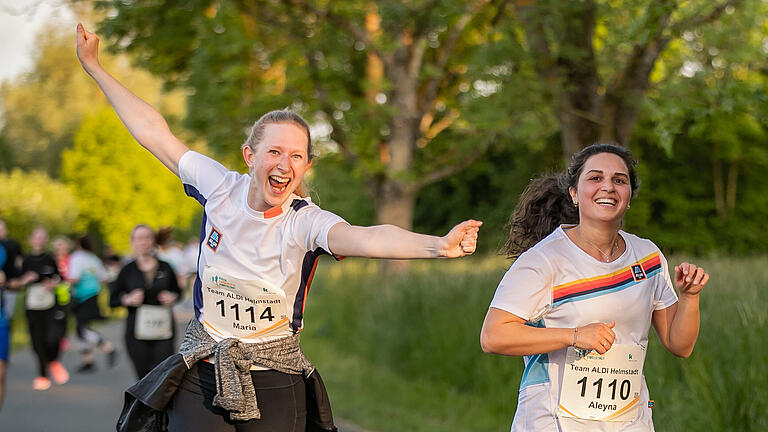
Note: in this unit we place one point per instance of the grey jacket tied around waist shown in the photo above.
(234, 386)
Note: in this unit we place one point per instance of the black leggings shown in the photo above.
(281, 399)
(145, 355)
(46, 328)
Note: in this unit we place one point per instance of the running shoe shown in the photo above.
(86, 368)
(41, 383)
(58, 372)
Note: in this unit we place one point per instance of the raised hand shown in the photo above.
(689, 279)
(461, 240)
(87, 49)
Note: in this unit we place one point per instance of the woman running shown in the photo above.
(579, 299)
(241, 367)
(86, 274)
(45, 317)
(148, 288)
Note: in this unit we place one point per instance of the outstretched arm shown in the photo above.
(678, 325)
(144, 122)
(389, 241)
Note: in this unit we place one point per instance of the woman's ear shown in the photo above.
(248, 155)
(574, 196)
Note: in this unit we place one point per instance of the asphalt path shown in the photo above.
(88, 402)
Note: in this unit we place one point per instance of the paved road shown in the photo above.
(88, 402)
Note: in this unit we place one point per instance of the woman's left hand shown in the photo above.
(166, 298)
(461, 240)
(689, 279)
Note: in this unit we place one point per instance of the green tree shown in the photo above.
(31, 199)
(706, 157)
(599, 56)
(43, 108)
(408, 93)
(117, 184)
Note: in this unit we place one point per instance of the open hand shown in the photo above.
(461, 240)
(689, 279)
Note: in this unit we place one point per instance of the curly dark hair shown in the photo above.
(546, 204)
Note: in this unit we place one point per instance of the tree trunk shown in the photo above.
(394, 205)
(731, 187)
(717, 179)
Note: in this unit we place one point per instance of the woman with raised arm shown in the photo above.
(580, 297)
(240, 366)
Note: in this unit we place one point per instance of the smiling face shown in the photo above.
(277, 165)
(603, 191)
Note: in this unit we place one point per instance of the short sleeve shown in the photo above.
(664, 295)
(526, 288)
(311, 227)
(201, 175)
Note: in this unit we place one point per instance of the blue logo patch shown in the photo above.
(637, 272)
(214, 239)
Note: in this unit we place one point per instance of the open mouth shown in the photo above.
(278, 184)
(606, 202)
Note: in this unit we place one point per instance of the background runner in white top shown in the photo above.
(591, 286)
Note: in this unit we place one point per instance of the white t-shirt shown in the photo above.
(279, 247)
(555, 284)
(87, 269)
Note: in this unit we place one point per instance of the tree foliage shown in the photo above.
(598, 57)
(409, 93)
(43, 108)
(117, 184)
(28, 200)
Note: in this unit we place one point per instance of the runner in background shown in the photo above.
(5, 328)
(148, 288)
(62, 246)
(45, 318)
(86, 275)
(11, 268)
(170, 251)
(580, 284)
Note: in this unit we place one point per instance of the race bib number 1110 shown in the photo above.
(604, 387)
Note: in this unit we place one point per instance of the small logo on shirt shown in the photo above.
(214, 239)
(222, 282)
(637, 272)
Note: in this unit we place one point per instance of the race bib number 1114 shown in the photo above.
(243, 309)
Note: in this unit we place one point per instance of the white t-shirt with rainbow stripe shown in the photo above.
(555, 284)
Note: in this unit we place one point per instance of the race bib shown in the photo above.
(604, 387)
(39, 298)
(243, 309)
(153, 323)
